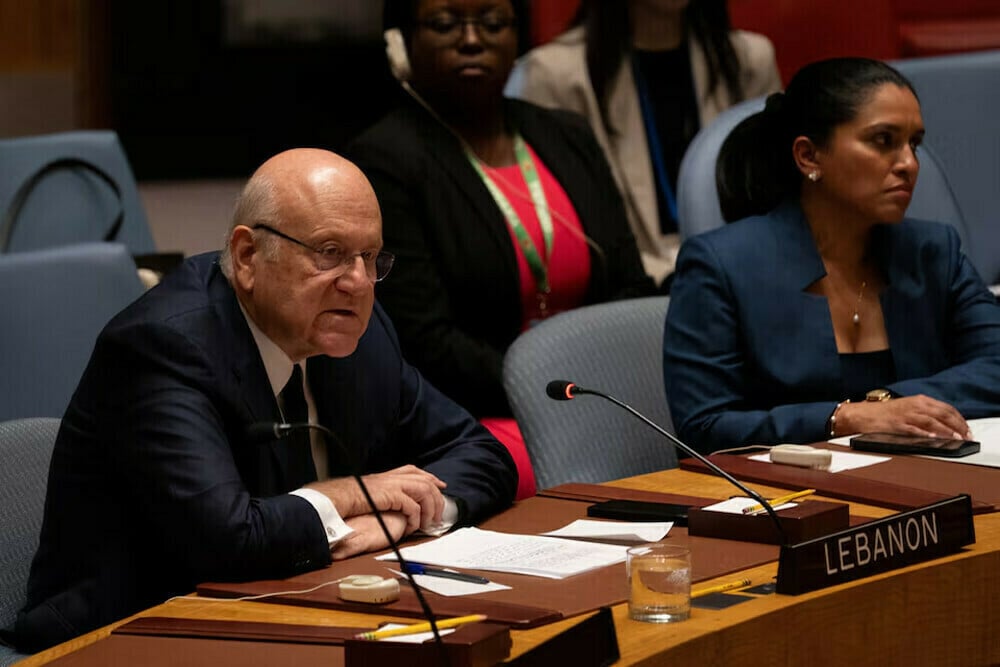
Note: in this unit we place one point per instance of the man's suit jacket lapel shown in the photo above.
(246, 370)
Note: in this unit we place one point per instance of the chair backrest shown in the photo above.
(959, 97)
(53, 303)
(25, 449)
(698, 199)
(69, 187)
(614, 347)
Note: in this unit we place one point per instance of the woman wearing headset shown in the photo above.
(500, 213)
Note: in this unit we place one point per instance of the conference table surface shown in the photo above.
(941, 612)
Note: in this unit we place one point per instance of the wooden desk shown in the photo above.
(945, 612)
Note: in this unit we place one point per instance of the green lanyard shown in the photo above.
(539, 267)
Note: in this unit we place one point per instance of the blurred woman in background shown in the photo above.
(648, 74)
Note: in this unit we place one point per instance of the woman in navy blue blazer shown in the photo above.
(822, 311)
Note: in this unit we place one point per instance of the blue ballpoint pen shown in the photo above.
(417, 568)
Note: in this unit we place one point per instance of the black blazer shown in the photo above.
(454, 291)
(154, 486)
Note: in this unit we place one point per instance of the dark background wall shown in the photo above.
(189, 101)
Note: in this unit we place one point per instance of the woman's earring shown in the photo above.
(814, 176)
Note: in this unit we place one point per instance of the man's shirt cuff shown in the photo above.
(333, 524)
(448, 518)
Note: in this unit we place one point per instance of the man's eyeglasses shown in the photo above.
(331, 257)
(490, 27)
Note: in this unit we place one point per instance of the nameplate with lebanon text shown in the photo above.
(877, 546)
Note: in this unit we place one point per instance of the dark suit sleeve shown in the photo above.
(437, 434)
(705, 366)
(972, 383)
(168, 437)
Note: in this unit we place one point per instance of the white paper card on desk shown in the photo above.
(418, 638)
(533, 555)
(450, 587)
(841, 460)
(616, 531)
(738, 504)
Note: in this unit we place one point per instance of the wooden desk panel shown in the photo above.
(943, 612)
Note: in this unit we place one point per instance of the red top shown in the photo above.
(569, 265)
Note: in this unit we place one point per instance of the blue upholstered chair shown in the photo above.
(53, 303)
(614, 347)
(959, 98)
(698, 200)
(69, 187)
(697, 197)
(25, 450)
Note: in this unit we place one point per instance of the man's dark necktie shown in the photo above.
(301, 469)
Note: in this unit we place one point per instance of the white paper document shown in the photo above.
(451, 587)
(738, 504)
(418, 638)
(615, 531)
(535, 555)
(840, 461)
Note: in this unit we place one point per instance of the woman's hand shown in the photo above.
(912, 415)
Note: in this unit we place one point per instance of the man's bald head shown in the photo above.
(297, 210)
(287, 184)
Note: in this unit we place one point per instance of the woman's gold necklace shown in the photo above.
(861, 293)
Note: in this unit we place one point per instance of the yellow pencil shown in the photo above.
(720, 588)
(421, 627)
(780, 500)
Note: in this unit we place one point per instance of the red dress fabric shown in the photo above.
(568, 273)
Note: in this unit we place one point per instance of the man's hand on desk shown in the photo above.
(914, 415)
(414, 493)
(367, 535)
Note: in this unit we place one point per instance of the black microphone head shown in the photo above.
(560, 390)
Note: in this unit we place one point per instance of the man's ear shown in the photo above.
(244, 252)
(807, 156)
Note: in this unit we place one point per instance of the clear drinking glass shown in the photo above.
(659, 580)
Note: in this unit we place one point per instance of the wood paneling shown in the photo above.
(41, 34)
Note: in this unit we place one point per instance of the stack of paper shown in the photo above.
(539, 556)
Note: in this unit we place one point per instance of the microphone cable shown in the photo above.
(276, 430)
(563, 390)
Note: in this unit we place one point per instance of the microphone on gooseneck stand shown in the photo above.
(263, 432)
(562, 390)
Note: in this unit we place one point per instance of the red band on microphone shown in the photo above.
(569, 390)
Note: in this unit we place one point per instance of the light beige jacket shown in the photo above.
(555, 75)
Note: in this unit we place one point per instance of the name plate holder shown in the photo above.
(880, 545)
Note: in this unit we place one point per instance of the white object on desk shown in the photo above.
(840, 461)
(738, 504)
(418, 638)
(533, 555)
(802, 456)
(617, 531)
